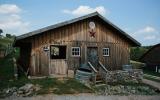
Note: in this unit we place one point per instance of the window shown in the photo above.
(105, 51)
(57, 52)
(75, 51)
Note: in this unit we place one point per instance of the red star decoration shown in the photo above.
(92, 33)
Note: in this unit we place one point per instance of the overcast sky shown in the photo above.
(139, 18)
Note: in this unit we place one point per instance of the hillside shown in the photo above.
(5, 41)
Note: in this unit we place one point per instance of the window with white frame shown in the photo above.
(105, 51)
(75, 51)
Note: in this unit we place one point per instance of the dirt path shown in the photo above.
(85, 97)
(152, 83)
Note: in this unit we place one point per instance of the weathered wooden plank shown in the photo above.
(77, 34)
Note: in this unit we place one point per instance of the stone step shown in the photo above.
(97, 85)
(99, 78)
(99, 82)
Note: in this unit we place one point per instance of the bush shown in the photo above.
(137, 65)
(137, 52)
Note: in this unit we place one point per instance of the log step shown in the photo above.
(99, 81)
(97, 85)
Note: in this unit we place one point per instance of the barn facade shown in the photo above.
(56, 49)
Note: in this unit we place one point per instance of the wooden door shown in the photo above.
(44, 63)
(41, 63)
(92, 56)
(37, 63)
(59, 67)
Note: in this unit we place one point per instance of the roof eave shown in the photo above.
(135, 42)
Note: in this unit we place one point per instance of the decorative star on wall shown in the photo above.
(92, 33)
(92, 27)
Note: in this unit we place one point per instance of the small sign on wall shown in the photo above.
(45, 48)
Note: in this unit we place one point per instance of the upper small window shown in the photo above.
(105, 51)
(75, 51)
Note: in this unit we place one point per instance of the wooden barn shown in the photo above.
(152, 58)
(90, 40)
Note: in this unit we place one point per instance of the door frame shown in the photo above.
(88, 49)
(54, 60)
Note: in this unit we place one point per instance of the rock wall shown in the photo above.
(121, 75)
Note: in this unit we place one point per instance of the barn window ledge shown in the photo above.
(75, 51)
(105, 52)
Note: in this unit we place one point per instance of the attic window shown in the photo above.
(105, 51)
(57, 52)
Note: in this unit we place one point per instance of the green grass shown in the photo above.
(6, 66)
(151, 73)
(136, 64)
(68, 86)
(5, 41)
(49, 85)
(152, 79)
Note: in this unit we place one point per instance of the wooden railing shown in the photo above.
(103, 71)
(92, 68)
(102, 66)
(95, 72)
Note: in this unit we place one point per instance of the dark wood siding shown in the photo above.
(77, 34)
(152, 56)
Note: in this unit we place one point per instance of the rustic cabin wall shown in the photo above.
(77, 34)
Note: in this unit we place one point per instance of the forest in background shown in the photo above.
(137, 52)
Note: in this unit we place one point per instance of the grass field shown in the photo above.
(151, 73)
(5, 41)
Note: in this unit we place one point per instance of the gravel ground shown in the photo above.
(85, 97)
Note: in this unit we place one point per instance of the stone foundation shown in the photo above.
(135, 75)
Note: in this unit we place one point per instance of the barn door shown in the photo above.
(44, 63)
(92, 56)
(58, 60)
(41, 63)
(59, 67)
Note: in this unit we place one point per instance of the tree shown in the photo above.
(1, 31)
(137, 52)
(8, 35)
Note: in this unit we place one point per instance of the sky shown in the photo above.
(139, 18)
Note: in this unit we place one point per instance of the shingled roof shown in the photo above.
(135, 42)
